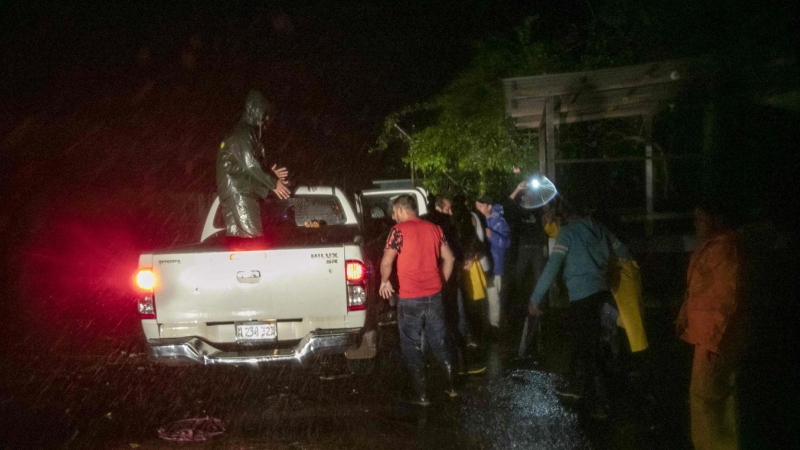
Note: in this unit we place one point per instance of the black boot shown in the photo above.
(451, 381)
(598, 405)
(418, 381)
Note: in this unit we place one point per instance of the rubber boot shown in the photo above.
(598, 406)
(418, 382)
(461, 360)
(451, 381)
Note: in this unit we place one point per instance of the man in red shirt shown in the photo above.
(418, 245)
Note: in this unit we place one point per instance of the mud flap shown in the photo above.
(367, 349)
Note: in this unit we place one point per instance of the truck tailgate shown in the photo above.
(226, 286)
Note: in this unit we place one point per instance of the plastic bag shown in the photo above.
(192, 430)
(475, 282)
(625, 282)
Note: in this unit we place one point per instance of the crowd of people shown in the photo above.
(454, 296)
(454, 290)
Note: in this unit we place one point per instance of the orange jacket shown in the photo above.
(712, 293)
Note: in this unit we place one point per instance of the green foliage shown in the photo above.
(460, 140)
(470, 146)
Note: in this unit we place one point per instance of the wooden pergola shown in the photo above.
(545, 102)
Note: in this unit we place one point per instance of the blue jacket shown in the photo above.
(583, 247)
(501, 237)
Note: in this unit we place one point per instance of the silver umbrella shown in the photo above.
(540, 190)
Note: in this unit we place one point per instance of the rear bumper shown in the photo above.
(194, 350)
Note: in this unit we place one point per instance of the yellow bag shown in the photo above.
(551, 228)
(475, 282)
(625, 283)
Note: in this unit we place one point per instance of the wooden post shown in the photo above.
(551, 123)
(647, 130)
(550, 126)
(542, 147)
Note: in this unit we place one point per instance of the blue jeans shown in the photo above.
(415, 316)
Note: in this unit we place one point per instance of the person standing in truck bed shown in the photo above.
(240, 178)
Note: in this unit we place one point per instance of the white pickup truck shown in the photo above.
(304, 291)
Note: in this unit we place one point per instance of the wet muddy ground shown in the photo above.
(75, 375)
(106, 394)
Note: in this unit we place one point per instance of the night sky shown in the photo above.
(100, 101)
(155, 88)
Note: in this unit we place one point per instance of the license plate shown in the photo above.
(257, 331)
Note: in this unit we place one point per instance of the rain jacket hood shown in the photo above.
(498, 208)
(255, 107)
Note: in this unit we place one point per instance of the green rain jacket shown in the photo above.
(240, 178)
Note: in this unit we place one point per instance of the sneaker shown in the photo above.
(569, 390)
(421, 400)
(476, 370)
(452, 392)
(470, 343)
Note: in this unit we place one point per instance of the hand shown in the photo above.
(386, 290)
(282, 191)
(280, 172)
(468, 264)
(518, 189)
(534, 310)
(488, 233)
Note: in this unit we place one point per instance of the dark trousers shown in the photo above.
(585, 326)
(528, 267)
(416, 316)
(525, 265)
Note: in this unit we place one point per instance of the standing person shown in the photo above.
(472, 292)
(418, 245)
(583, 248)
(240, 178)
(478, 223)
(441, 215)
(712, 319)
(529, 246)
(498, 233)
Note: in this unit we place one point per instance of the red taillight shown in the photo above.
(356, 274)
(145, 279)
(355, 271)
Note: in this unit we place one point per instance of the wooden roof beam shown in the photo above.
(604, 79)
(644, 109)
(598, 100)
